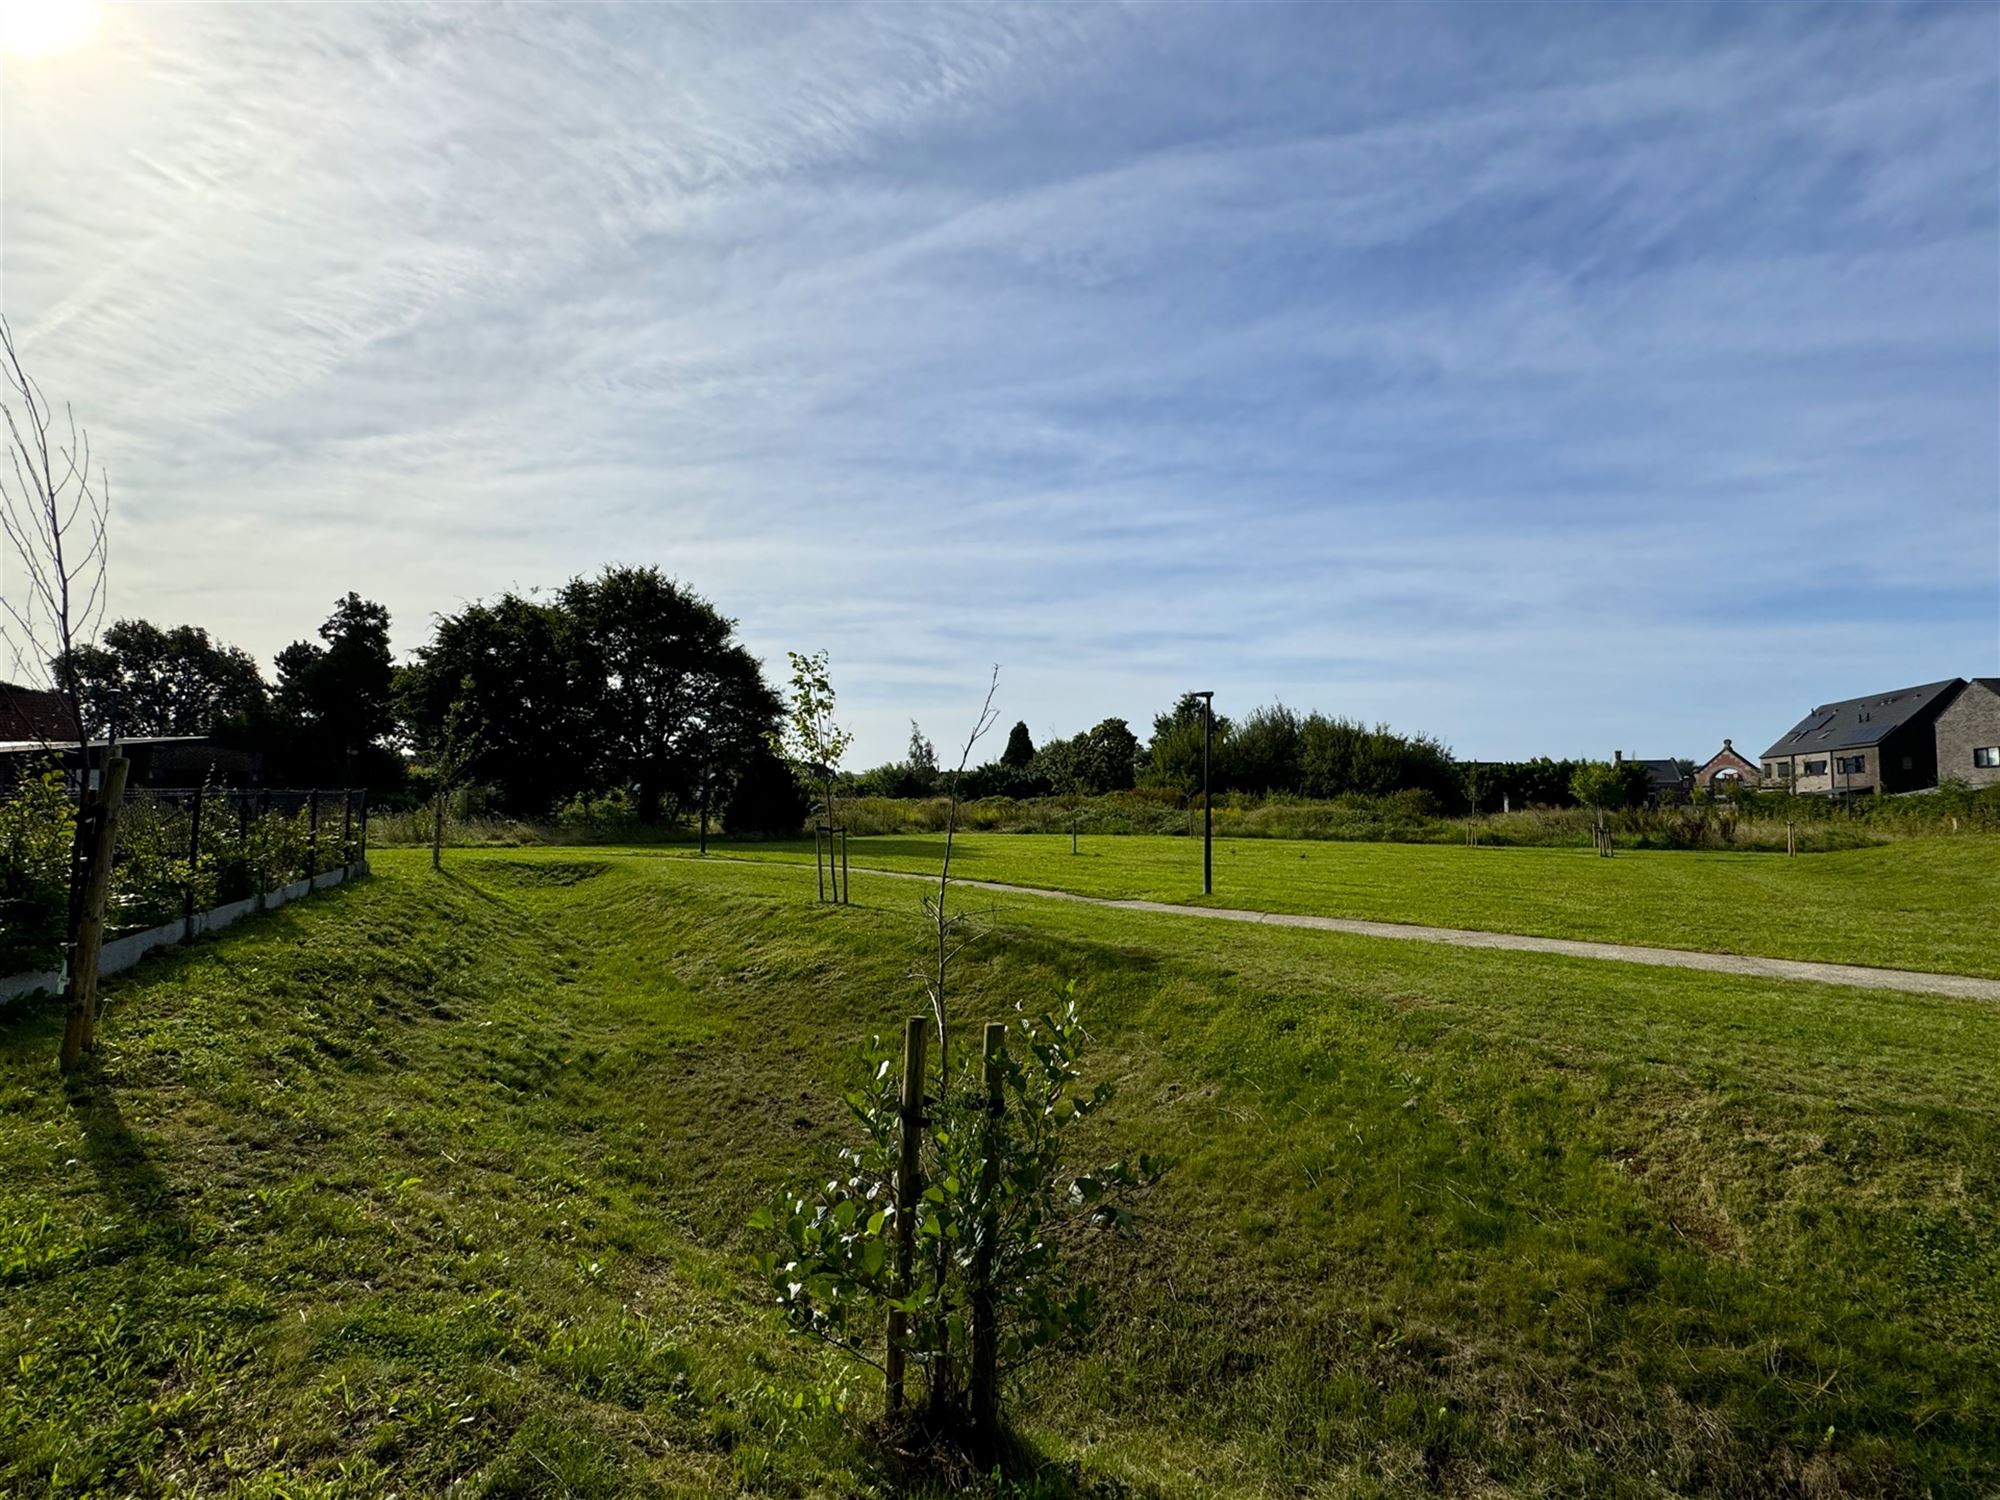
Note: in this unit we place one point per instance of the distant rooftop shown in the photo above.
(1665, 773)
(1857, 722)
(55, 745)
(26, 712)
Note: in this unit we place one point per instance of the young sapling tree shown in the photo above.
(55, 508)
(811, 740)
(978, 1175)
(451, 758)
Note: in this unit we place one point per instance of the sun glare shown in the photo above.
(39, 28)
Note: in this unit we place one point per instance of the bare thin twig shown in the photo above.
(54, 513)
(940, 919)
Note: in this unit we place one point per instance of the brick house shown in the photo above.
(1968, 735)
(31, 714)
(1886, 742)
(1725, 769)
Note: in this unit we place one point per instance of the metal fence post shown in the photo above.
(312, 833)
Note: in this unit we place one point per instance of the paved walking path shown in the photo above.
(1908, 981)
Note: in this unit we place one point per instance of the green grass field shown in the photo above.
(436, 1184)
(1931, 904)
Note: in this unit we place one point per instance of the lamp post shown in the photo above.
(1207, 806)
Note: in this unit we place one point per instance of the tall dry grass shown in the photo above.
(1756, 822)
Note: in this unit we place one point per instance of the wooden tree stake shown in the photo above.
(985, 1390)
(80, 1018)
(909, 1188)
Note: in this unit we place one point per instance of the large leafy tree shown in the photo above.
(337, 693)
(146, 680)
(510, 668)
(1610, 784)
(1173, 758)
(1263, 751)
(675, 701)
(1339, 756)
(1107, 757)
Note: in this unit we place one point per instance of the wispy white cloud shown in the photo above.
(1546, 380)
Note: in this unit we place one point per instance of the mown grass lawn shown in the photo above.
(1930, 904)
(436, 1185)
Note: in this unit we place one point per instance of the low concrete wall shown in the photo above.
(223, 916)
(122, 953)
(16, 985)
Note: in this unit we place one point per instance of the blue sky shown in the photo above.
(1553, 380)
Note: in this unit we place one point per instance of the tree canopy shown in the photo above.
(1020, 751)
(1611, 784)
(627, 681)
(510, 661)
(143, 679)
(339, 692)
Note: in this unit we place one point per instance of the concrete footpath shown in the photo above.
(1906, 981)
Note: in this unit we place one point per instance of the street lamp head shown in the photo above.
(1210, 693)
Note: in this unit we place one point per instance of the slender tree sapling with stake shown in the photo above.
(54, 515)
(977, 1174)
(451, 759)
(813, 742)
(1064, 764)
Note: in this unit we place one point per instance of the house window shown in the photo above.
(1813, 768)
(1987, 757)
(1851, 765)
(1784, 770)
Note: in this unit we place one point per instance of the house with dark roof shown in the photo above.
(160, 760)
(1724, 770)
(1885, 742)
(1668, 782)
(1968, 735)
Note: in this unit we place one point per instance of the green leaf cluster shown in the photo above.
(1001, 1212)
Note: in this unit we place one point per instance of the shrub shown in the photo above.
(767, 801)
(37, 828)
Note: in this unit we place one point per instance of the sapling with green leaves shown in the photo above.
(995, 1212)
(448, 761)
(809, 738)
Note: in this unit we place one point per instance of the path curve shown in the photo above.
(1908, 981)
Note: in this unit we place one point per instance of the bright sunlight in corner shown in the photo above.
(40, 28)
